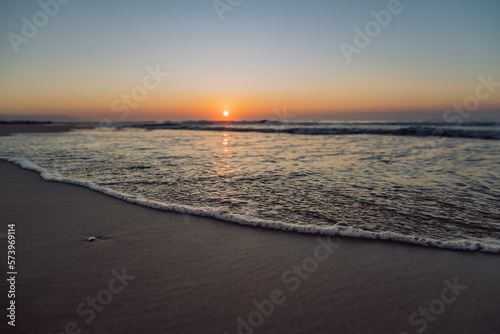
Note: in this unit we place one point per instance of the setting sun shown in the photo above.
(226, 113)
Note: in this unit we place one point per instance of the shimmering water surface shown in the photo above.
(420, 188)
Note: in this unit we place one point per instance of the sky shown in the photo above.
(315, 59)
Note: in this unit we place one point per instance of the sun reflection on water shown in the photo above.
(224, 158)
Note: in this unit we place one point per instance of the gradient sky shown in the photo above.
(265, 54)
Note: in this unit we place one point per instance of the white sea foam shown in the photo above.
(340, 229)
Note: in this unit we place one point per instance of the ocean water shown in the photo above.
(428, 183)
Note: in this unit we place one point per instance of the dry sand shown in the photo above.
(189, 274)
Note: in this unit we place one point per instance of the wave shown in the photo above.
(485, 123)
(478, 130)
(340, 229)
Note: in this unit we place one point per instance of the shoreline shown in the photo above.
(206, 275)
(9, 129)
(159, 271)
(459, 245)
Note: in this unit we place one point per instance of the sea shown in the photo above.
(429, 183)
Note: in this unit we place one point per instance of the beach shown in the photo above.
(250, 167)
(153, 271)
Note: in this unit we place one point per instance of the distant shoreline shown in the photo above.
(9, 128)
(25, 122)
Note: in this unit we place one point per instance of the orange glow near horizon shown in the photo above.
(335, 98)
(175, 102)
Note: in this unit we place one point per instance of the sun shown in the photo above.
(225, 113)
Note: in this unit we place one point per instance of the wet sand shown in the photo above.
(153, 271)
